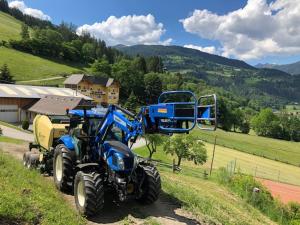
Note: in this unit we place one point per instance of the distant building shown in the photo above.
(16, 100)
(57, 105)
(104, 91)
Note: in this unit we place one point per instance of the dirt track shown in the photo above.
(164, 210)
(285, 192)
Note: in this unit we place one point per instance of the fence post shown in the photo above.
(255, 171)
(234, 166)
(213, 156)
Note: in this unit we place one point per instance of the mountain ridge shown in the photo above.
(291, 68)
(161, 50)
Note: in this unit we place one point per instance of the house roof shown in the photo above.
(74, 79)
(27, 91)
(57, 105)
(77, 78)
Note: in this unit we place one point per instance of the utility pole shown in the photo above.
(213, 156)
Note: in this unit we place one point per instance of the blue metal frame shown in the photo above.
(170, 111)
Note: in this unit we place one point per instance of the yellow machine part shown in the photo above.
(45, 131)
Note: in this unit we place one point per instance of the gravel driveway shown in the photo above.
(17, 134)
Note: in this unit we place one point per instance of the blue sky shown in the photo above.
(195, 31)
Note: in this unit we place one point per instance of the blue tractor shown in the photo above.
(96, 153)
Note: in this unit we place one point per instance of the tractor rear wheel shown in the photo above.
(63, 171)
(151, 185)
(89, 193)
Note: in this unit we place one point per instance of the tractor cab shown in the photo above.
(82, 131)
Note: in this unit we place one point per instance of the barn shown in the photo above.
(16, 100)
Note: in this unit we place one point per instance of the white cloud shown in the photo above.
(29, 11)
(257, 30)
(127, 30)
(208, 49)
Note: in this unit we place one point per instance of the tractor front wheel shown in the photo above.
(151, 184)
(63, 171)
(89, 193)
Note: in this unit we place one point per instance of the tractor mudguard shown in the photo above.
(87, 166)
(67, 141)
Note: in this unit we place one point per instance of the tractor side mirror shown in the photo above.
(175, 112)
(207, 112)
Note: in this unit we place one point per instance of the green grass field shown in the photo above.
(211, 202)
(283, 151)
(28, 198)
(244, 162)
(10, 140)
(25, 66)
(292, 108)
(10, 27)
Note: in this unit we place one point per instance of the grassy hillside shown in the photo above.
(246, 163)
(32, 199)
(9, 27)
(284, 151)
(210, 201)
(25, 66)
(205, 198)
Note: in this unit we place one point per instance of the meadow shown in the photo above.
(25, 66)
(279, 150)
(27, 198)
(10, 27)
(233, 160)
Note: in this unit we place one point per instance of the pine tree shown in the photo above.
(25, 32)
(5, 76)
(131, 104)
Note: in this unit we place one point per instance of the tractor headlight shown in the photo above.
(120, 163)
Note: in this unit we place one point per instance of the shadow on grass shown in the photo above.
(11, 221)
(164, 207)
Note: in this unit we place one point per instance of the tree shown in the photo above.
(130, 80)
(266, 123)
(152, 141)
(154, 64)
(4, 6)
(153, 87)
(186, 146)
(131, 104)
(88, 52)
(245, 127)
(102, 67)
(24, 31)
(237, 118)
(179, 81)
(225, 117)
(140, 64)
(5, 76)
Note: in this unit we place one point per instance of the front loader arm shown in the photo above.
(116, 115)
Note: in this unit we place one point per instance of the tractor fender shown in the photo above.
(67, 141)
(87, 167)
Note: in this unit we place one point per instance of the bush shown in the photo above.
(25, 125)
(245, 186)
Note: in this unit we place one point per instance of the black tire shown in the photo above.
(151, 186)
(63, 178)
(93, 191)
